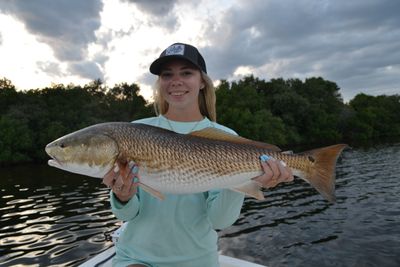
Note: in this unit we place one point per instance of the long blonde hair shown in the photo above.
(206, 99)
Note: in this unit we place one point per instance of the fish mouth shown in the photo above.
(54, 162)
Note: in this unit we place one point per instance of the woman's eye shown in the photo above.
(165, 75)
(186, 73)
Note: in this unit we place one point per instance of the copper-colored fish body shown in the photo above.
(192, 163)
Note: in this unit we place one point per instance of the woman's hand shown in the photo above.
(275, 172)
(123, 180)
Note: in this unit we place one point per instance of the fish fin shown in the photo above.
(152, 191)
(217, 134)
(322, 175)
(125, 172)
(251, 188)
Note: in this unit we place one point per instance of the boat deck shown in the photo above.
(104, 259)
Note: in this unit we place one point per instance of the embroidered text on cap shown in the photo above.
(176, 49)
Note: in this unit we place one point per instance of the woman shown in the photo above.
(180, 230)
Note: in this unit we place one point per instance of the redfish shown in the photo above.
(187, 163)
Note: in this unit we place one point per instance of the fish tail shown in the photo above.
(322, 174)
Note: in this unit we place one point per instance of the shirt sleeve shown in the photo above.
(124, 212)
(223, 207)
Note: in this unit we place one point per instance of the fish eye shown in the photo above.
(62, 145)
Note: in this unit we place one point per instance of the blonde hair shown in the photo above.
(206, 99)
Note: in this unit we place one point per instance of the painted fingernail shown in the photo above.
(264, 158)
(131, 164)
(135, 169)
(135, 180)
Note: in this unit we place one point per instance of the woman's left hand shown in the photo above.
(275, 172)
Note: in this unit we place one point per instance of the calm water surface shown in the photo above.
(52, 218)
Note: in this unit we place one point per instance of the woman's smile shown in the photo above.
(178, 93)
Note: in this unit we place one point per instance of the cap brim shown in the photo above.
(156, 66)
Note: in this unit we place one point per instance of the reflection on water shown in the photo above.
(52, 218)
(295, 227)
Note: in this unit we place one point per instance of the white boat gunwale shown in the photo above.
(104, 259)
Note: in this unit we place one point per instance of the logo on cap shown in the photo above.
(176, 49)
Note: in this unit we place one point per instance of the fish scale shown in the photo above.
(177, 163)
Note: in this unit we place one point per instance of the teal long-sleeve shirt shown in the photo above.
(179, 230)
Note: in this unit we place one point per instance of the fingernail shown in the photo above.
(283, 163)
(135, 169)
(116, 169)
(135, 180)
(131, 164)
(264, 158)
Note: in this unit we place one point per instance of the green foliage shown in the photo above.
(283, 112)
(129, 105)
(31, 119)
(293, 112)
(375, 118)
(240, 107)
(15, 141)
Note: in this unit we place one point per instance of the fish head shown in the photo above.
(84, 152)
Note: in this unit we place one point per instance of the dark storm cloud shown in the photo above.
(338, 40)
(87, 69)
(49, 67)
(161, 12)
(155, 7)
(68, 26)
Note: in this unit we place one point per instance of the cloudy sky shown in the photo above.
(353, 43)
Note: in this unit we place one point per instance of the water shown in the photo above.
(53, 218)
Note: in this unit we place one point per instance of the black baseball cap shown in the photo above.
(179, 50)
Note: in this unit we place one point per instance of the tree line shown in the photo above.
(283, 112)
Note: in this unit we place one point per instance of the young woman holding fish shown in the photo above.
(180, 229)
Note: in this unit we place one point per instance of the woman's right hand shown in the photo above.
(122, 180)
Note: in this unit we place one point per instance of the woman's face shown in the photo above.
(180, 83)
